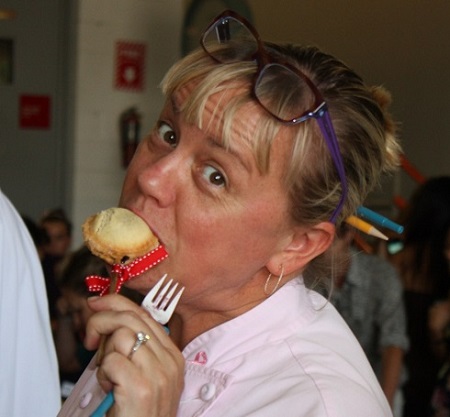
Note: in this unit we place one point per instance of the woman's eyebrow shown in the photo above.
(243, 160)
(214, 141)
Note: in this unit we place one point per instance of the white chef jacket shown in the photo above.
(29, 382)
(292, 355)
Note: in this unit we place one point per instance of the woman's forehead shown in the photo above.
(226, 114)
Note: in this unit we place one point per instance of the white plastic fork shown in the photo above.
(160, 305)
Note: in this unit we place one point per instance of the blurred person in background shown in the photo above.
(74, 312)
(369, 295)
(423, 268)
(38, 234)
(59, 231)
(439, 324)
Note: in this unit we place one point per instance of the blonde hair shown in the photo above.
(365, 131)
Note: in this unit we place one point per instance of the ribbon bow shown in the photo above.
(100, 284)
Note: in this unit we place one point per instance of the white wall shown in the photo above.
(401, 44)
(32, 167)
(97, 170)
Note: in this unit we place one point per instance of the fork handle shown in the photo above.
(104, 406)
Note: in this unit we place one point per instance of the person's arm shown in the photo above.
(392, 361)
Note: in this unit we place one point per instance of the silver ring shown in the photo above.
(141, 338)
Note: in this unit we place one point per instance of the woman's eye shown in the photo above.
(167, 134)
(214, 176)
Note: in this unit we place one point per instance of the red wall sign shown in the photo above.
(34, 112)
(129, 66)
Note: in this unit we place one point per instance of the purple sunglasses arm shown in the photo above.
(326, 126)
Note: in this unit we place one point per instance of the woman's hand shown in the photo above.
(150, 381)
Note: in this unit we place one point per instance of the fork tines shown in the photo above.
(161, 303)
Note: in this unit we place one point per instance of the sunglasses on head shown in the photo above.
(243, 43)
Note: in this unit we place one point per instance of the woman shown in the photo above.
(242, 179)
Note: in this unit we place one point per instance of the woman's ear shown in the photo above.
(302, 246)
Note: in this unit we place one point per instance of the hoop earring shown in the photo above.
(266, 285)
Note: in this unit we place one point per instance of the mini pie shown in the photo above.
(118, 236)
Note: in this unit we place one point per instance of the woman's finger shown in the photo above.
(141, 370)
(115, 302)
(115, 311)
(124, 328)
(142, 380)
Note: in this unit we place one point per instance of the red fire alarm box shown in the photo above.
(34, 112)
(129, 66)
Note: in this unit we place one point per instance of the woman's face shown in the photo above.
(59, 237)
(219, 218)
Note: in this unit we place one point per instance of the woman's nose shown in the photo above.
(160, 179)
